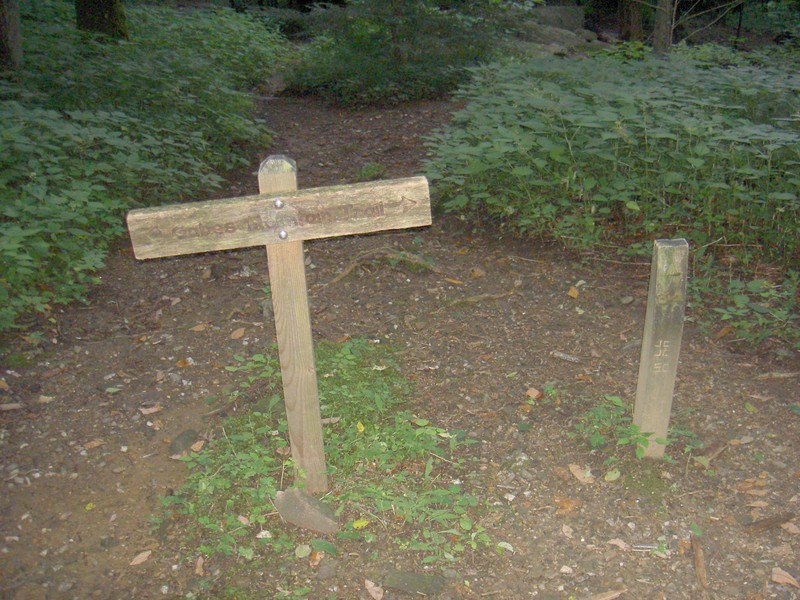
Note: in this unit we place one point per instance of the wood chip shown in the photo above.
(699, 560)
(564, 356)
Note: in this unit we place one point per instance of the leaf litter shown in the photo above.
(532, 332)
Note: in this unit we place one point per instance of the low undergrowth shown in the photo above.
(600, 152)
(388, 52)
(92, 127)
(394, 475)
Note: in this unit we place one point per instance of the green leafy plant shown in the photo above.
(372, 171)
(389, 468)
(92, 128)
(626, 51)
(599, 153)
(761, 309)
(610, 422)
(754, 311)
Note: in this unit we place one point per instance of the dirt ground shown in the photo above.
(82, 467)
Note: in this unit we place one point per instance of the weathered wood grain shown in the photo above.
(259, 220)
(661, 343)
(287, 279)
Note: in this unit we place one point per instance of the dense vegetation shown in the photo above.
(609, 151)
(600, 153)
(91, 128)
(385, 52)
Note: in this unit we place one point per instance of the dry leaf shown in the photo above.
(586, 378)
(197, 446)
(200, 327)
(453, 281)
(283, 450)
(758, 504)
(748, 484)
(4, 385)
(11, 406)
(149, 410)
(573, 292)
(565, 505)
(238, 334)
(316, 558)
(622, 545)
(156, 424)
(723, 332)
(561, 473)
(243, 520)
(198, 566)
(534, 394)
(140, 558)
(782, 577)
(477, 273)
(182, 363)
(582, 474)
(373, 589)
(567, 531)
(93, 444)
(791, 528)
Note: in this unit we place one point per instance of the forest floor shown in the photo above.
(83, 468)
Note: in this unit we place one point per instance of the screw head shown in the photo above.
(283, 235)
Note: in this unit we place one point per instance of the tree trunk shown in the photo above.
(10, 37)
(102, 16)
(662, 35)
(630, 21)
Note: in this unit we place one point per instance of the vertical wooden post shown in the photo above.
(287, 277)
(663, 329)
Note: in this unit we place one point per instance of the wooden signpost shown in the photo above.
(280, 218)
(661, 343)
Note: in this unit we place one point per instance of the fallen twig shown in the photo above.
(474, 300)
(778, 375)
(608, 595)
(769, 522)
(385, 252)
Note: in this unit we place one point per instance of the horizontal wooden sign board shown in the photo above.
(272, 219)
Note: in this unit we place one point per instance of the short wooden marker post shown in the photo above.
(280, 218)
(663, 329)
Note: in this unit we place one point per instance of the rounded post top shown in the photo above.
(277, 163)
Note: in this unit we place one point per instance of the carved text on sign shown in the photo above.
(256, 220)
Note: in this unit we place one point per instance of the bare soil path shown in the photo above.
(82, 466)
